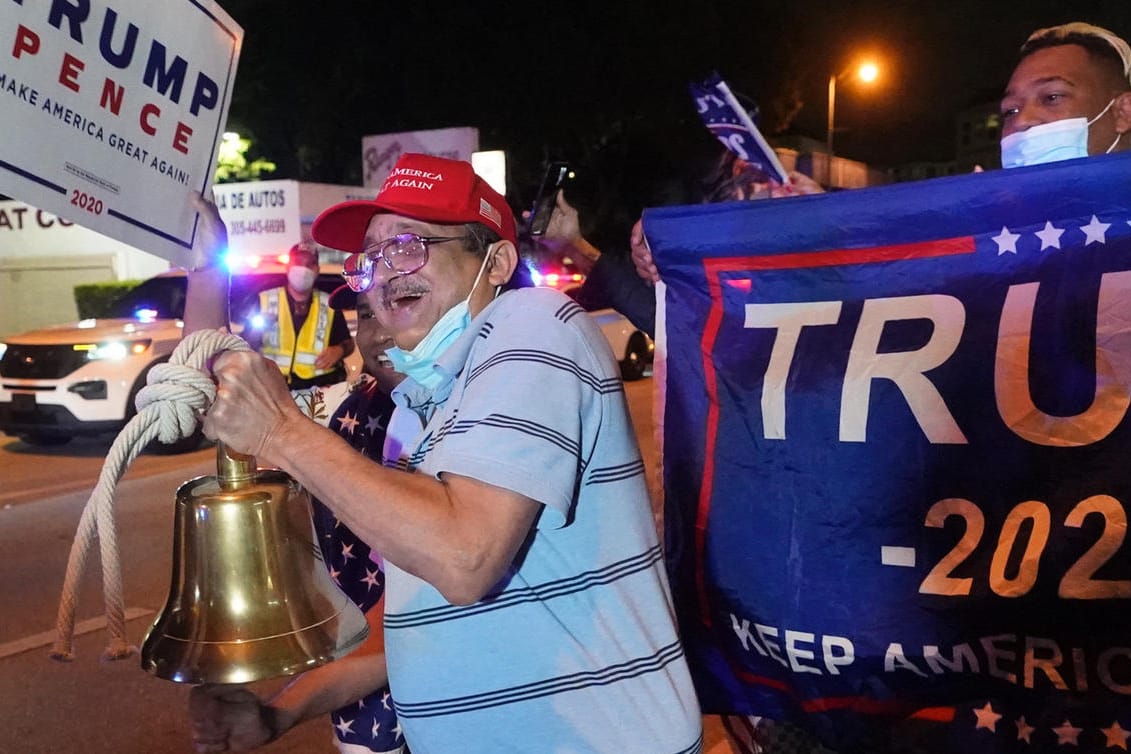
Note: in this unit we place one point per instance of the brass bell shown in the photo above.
(250, 596)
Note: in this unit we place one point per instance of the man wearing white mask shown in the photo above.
(295, 326)
(1068, 97)
(527, 607)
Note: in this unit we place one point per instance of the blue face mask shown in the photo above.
(419, 363)
(1050, 142)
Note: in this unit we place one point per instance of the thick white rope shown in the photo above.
(176, 395)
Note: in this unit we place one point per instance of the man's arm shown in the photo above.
(206, 304)
(458, 534)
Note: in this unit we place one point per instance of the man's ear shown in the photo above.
(504, 261)
(1122, 108)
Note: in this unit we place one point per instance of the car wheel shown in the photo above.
(635, 358)
(45, 439)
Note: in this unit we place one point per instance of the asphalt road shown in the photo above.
(92, 705)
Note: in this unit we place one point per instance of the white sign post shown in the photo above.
(113, 112)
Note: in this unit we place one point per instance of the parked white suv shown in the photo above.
(632, 347)
(81, 378)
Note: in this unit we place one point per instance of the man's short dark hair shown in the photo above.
(1107, 49)
(481, 238)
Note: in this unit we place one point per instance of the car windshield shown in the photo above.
(164, 297)
(156, 298)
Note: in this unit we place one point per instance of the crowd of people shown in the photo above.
(505, 546)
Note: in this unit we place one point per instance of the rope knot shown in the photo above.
(178, 395)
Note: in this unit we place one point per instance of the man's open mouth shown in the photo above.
(401, 297)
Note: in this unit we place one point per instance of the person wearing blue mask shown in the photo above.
(526, 602)
(1068, 97)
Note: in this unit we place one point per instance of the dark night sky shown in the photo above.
(603, 83)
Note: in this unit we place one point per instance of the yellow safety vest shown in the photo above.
(295, 356)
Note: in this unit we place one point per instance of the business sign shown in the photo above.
(28, 234)
(113, 112)
(265, 218)
(379, 152)
(896, 457)
(262, 217)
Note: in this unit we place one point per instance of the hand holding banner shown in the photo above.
(114, 112)
(895, 456)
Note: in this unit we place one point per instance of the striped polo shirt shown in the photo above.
(575, 650)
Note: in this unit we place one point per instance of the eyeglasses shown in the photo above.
(404, 254)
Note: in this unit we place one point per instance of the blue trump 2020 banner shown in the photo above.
(896, 457)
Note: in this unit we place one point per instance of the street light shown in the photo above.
(867, 72)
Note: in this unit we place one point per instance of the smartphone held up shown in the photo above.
(557, 176)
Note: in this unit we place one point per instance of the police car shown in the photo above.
(82, 378)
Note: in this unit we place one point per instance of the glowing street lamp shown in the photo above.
(867, 72)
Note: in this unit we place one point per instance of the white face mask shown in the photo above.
(301, 278)
(1050, 142)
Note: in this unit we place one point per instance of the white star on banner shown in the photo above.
(1006, 241)
(334, 574)
(343, 726)
(397, 730)
(1066, 734)
(373, 424)
(1116, 736)
(1095, 230)
(348, 422)
(370, 578)
(376, 730)
(385, 700)
(347, 551)
(1050, 236)
(987, 718)
(1024, 730)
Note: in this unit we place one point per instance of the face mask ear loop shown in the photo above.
(1111, 149)
(1118, 136)
(498, 288)
(1103, 112)
(478, 276)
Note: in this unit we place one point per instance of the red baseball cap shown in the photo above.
(423, 187)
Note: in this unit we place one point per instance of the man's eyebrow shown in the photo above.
(399, 227)
(1043, 81)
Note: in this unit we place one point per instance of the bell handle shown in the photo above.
(234, 470)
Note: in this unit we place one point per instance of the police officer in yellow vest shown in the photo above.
(297, 328)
